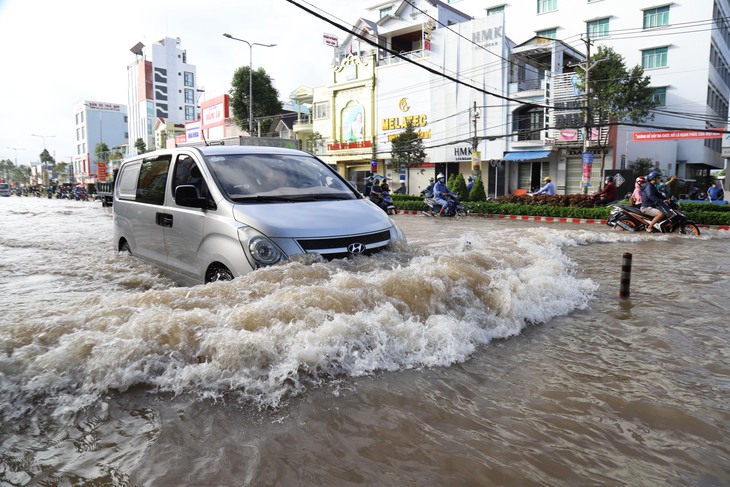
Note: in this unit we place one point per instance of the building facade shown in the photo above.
(97, 122)
(683, 46)
(161, 85)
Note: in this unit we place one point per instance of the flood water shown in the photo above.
(484, 352)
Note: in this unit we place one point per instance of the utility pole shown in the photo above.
(475, 156)
(587, 155)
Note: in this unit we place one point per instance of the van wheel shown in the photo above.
(218, 273)
(124, 247)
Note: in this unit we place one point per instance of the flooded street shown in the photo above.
(484, 352)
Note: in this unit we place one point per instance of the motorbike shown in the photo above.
(453, 207)
(384, 202)
(626, 217)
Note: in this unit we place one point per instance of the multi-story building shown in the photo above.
(161, 85)
(97, 122)
(683, 46)
(491, 83)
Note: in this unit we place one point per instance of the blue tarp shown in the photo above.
(526, 155)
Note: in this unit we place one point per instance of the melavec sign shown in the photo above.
(675, 135)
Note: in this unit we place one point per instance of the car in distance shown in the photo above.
(213, 213)
(5, 189)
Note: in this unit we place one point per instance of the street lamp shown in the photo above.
(16, 149)
(43, 163)
(250, 76)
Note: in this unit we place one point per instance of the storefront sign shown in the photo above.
(402, 122)
(349, 145)
(675, 135)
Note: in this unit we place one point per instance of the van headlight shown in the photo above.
(259, 249)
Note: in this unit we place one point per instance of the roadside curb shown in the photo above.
(551, 219)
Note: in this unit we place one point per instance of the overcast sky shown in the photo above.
(54, 54)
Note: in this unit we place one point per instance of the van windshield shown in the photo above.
(277, 178)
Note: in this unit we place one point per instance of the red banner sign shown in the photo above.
(675, 135)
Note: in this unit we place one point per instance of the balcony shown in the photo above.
(529, 88)
(303, 126)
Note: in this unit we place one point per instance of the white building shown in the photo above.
(161, 85)
(97, 122)
(682, 46)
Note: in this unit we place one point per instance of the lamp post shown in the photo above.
(250, 76)
(43, 163)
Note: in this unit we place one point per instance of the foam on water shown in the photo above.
(270, 335)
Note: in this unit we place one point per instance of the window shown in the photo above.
(495, 10)
(549, 33)
(656, 17)
(660, 96)
(546, 6)
(189, 113)
(654, 58)
(189, 79)
(597, 28)
(152, 181)
(189, 97)
(321, 110)
(384, 12)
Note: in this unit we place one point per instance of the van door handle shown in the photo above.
(164, 219)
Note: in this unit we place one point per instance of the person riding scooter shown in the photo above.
(653, 202)
(440, 192)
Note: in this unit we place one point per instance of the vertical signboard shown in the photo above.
(587, 168)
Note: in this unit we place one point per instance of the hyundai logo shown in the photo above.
(355, 248)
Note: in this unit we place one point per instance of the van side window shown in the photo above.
(126, 187)
(187, 172)
(153, 180)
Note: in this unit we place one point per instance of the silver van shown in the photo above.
(5, 189)
(217, 212)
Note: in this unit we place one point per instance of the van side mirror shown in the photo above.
(187, 195)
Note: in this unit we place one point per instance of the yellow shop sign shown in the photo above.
(401, 122)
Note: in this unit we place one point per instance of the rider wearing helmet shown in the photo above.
(652, 201)
(549, 187)
(440, 192)
(469, 183)
(607, 194)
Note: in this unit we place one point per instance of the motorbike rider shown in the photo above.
(549, 187)
(440, 192)
(376, 193)
(428, 192)
(652, 201)
(607, 194)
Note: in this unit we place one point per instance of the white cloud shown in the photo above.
(55, 54)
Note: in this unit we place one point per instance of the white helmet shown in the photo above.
(440, 176)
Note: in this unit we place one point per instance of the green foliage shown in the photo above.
(101, 151)
(265, 98)
(477, 191)
(407, 148)
(701, 213)
(460, 187)
(617, 93)
(450, 182)
(643, 166)
(46, 158)
(140, 146)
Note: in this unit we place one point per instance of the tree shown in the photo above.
(406, 149)
(140, 146)
(617, 94)
(477, 192)
(643, 166)
(459, 187)
(101, 151)
(265, 98)
(6, 169)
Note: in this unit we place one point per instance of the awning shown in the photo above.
(526, 155)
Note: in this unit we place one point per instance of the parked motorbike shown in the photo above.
(453, 207)
(626, 217)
